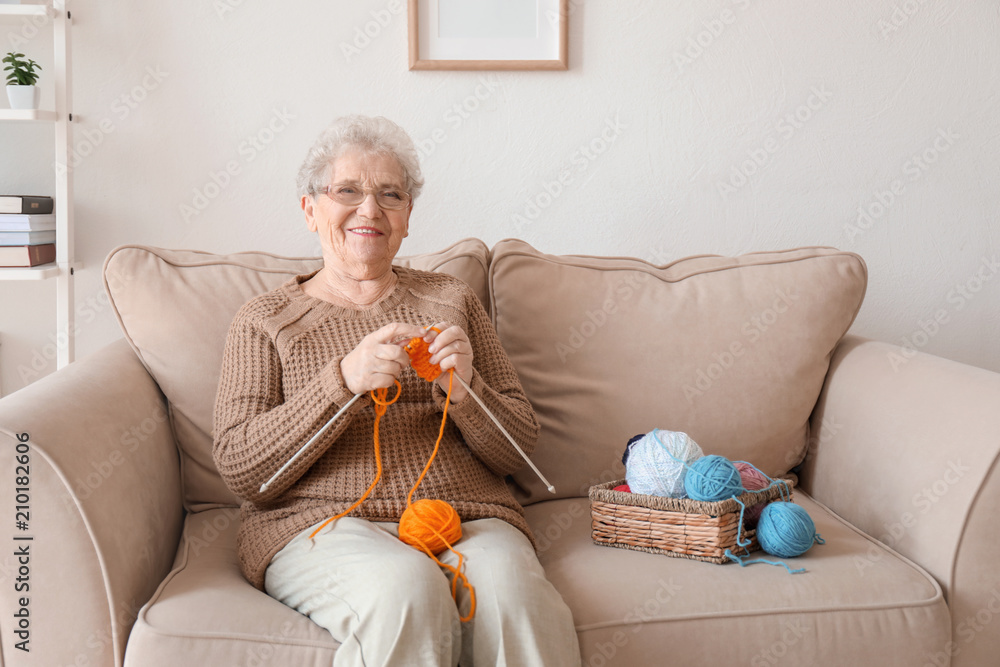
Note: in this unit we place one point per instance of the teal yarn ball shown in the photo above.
(712, 478)
(785, 530)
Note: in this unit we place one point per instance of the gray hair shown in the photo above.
(374, 135)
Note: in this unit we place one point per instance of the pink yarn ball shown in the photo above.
(753, 480)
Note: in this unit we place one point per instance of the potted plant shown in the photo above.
(21, 79)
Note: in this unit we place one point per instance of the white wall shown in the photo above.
(840, 102)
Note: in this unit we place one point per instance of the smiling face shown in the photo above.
(359, 241)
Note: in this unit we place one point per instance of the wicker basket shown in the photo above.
(678, 527)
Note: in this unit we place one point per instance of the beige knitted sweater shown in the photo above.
(281, 382)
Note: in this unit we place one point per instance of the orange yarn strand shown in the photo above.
(381, 405)
(415, 525)
(425, 366)
(414, 529)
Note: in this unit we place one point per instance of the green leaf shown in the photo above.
(21, 72)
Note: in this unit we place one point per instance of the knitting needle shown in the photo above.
(504, 431)
(263, 487)
(435, 371)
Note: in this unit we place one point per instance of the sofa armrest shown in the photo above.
(905, 447)
(103, 509)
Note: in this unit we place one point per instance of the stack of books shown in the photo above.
(27, 230)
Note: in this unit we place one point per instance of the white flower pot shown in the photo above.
(24, 97)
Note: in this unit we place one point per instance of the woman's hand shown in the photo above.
(451, 349)
(378, 359)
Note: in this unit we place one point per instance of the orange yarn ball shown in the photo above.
(419, 522)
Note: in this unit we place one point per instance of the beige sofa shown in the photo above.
(132, 557)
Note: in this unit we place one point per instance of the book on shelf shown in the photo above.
(21, 222)
(26, 238)
(27, 255)
(25, 204)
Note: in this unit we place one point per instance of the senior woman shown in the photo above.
(296, 355)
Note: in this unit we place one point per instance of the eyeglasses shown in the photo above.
(352, 194)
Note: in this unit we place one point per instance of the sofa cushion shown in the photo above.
(205, 613)
(732, 351)
(175, 308)
(858, 603)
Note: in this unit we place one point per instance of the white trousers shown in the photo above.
(390, 604)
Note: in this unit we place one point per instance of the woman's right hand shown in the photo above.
(379, 358)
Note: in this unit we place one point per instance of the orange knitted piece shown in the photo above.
(420, 358)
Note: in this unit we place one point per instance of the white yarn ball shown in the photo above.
(652, 470)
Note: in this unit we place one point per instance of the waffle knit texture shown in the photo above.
(281, 382)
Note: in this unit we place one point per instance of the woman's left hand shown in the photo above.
(451, 349)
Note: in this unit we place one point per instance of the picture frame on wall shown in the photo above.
(488, 34)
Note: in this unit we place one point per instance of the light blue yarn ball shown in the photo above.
(656, 463)
(713, 478)
(785, 530)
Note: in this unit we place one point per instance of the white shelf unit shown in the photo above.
(62, 270)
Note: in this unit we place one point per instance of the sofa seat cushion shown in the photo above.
(205, 613)
(858, 603)
(175, 308)
(732, 351)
